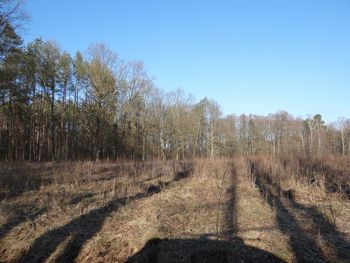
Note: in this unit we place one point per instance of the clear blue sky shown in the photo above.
(250, 56)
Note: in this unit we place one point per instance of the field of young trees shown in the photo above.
(97, 164)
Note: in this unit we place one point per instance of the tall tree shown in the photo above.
(101, 96)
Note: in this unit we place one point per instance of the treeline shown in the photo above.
(58, 106)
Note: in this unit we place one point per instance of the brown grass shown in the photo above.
(204, 210)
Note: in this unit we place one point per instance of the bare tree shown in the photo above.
(343, 125)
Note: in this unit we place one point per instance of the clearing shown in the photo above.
(204, 210)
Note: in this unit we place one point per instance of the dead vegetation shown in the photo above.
(204, 210)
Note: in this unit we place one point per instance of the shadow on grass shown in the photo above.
(324, 228)
(83, 228)
(230, 216)
(200, 251)
(78, 198)
(78, 230)
(207, 248)
(327, 231)
(17, 220)
(304, 247)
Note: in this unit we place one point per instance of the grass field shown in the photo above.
(203, 210)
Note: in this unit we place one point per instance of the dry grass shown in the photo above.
(256, 219)
(176, 212)
(310, 208)
(206, 210)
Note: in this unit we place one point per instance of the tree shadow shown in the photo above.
(335, 181)
(304, 247)
(231, 205)
(186, 169)
(208, 248)
(17, 220)
(328, 231)
(78, 198)
(81, 229)
(19, 178)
